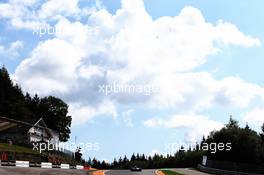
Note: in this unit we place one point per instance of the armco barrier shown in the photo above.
(24, 164)
(79, 167)
(27, 164)
(5, 163)
(65, 166)
(221, 172)
(46, 165)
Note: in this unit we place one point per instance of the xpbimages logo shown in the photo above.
(211, 147)
(48, 146)
(117, 88)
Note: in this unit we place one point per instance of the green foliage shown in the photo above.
(247, 145)
(57, 158)
(14, 104)
(262, 134)
(78, 155)
(180, 159)
(232, 124)
(16, 149)
(54, 112)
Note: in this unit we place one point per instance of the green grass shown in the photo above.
(169, 172)
(17, 149)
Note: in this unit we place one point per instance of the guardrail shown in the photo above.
(27, 164)
(24, 164)
(65, 166)
(46, 165)
(222, 172)
(79, 167)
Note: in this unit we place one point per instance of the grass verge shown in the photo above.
(17, 149)
(170, 172)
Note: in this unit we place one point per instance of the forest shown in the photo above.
(247, 148)
(19, 105)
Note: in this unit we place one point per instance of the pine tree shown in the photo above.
(14, 104)
(12, 101)
(133, 157)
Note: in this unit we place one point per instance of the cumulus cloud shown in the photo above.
(237, 92)
(19, 15)
(51, 67)
(255, 117)
(81, 113)
(129, 47)
(234, 36)
(35, 14)
(197, 125)
(52, 8)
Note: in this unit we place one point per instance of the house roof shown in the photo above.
(6, 123)
(42, 122)
(4, 119)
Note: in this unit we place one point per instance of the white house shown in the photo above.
(23, 132)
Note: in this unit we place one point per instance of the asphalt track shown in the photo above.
(39, 171)
(186, 171)
(128, 172)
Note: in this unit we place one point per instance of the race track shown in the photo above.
(39, 171)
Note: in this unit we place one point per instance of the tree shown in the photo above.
(89, 162)
(55, 113)
(245, 143)
(232, 123)
(115, 163)
(12, 101)
(104, 165)
(262, 143)
(78, 155)
(95, 163)
(133, 157)
(262, 134)
(14, 104)
(120, 161)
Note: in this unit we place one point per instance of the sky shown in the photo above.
(139, 76)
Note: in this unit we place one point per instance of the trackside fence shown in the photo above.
(27, 164)
(236, 166)
(221, 171)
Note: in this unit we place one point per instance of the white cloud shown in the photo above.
(185, 91)
(19, 15)
(82, 113)
(127, 118)
(52, 67)
(24, 2)
(7, 11)
(197, 125)
(34, 14)
(234, 36)
(13, 50)
(129, 47)
(235, 91)
(52, 8)
(254, 118)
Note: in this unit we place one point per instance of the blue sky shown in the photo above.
(205, 58)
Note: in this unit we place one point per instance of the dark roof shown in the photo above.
(11, 122)
(4, 119)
